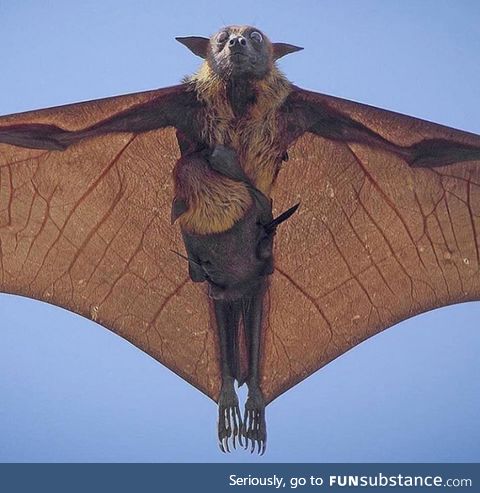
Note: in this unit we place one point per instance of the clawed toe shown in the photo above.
(255, 431)
(254, 428)
(229, 422)
(251, 433)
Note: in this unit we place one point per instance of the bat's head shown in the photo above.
(238, 51)
(238, 265)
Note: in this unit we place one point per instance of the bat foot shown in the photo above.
(229, 419)
(254, 428)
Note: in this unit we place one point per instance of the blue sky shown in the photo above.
(72, 391)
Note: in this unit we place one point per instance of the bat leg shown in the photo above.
(229, 417)
(254, 426)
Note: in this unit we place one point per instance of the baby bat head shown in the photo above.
(236, 262)
(243, 274)
(240, 270)
(238, 51)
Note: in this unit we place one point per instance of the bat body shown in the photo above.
(390, 206)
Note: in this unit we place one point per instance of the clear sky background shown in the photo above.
(72, 391)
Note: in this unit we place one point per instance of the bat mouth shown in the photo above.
(238, 57)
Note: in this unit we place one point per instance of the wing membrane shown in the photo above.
(88, 229)
(374, 242)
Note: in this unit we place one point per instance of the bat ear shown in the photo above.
(196, 44)
(282, 49)
(272, 226)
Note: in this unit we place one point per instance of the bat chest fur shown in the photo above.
(257, 144)
(216, 203)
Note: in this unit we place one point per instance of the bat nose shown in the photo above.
(237, 41)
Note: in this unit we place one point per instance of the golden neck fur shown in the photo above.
(256, 134)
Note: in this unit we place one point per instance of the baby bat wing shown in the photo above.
(376, 240)
(88, 229)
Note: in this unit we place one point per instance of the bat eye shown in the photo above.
(256, 36)
(222, 37)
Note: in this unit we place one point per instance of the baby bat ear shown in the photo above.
(196, 44)
(282, 49)
(272, 225)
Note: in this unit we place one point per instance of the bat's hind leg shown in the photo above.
(229, 417)
(254, 426)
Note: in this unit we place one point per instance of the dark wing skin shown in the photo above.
(88, 228)
(389, 227)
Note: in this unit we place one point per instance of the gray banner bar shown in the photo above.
(231, 478)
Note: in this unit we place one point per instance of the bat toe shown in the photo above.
(229, 420)
(254, 428)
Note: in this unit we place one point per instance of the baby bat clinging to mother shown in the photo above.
(389, 215)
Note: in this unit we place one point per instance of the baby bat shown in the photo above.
(388, 223)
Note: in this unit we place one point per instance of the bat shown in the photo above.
(387, 223)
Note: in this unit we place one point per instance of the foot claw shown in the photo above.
(254, 428)
(229, 420)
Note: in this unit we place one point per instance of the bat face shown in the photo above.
(235, 262)
(240, 51)
(243, 53)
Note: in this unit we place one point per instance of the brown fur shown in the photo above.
(215, 202)
(256, 135)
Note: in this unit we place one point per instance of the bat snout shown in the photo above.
(237, 43)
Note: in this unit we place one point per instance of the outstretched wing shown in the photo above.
(88, 229)
(375, 240)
